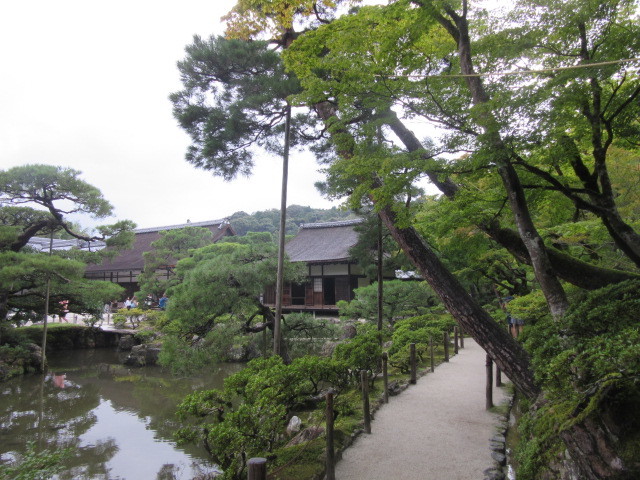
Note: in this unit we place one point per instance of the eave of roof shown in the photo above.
(207, 223)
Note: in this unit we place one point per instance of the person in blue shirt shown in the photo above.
(162, 303)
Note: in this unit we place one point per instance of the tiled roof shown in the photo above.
(42, 244)
(323, 242)
(132, 259)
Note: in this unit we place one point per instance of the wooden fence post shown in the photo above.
(331, 459)
(455, 340)
(431, 354)
(412, 362)
(257, 468)
(489, 387)
(461, 338)
(365, 400)
(385, 376)
(446, 346)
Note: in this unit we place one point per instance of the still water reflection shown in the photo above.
(118, 421)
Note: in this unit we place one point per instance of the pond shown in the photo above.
(118, 421)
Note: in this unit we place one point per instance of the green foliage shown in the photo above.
(589, 366)
(46, 184)
(36, 200)
(365, 251)
(156, 318)
(248, 416)
(233, 97)
(400, 299)
(183, 357)
(531, 308)
(225, 342)
(320, 372)
(362, 352)
(306, 335)
(35, 465)
(250, 19)
(417, 330)
(132, 316)
(269, 220)
(271, 377)
(60, 192)
(173, 245)
(225, 279)
(16, 360)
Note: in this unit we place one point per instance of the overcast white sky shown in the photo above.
(85, 84)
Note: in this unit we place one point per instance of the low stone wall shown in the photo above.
(71, 337)
(18, 360)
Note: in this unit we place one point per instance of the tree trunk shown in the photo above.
(590, 444)
(549, 283)
(504, 350)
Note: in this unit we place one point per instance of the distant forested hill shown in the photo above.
(269, 220)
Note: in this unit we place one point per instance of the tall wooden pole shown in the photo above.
(43, 358)
(277, 334)
(380, 275)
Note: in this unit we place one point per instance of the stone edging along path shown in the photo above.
(436, 429)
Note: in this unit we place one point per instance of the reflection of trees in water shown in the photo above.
(33, 408)
(54, 417)
(168, 472)
(154, 395)
(44, 413)
(90, 462)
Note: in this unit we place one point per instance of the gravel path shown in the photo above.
(437, 429)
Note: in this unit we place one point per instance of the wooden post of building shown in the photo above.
(331, 459)
(446, 346)
(455, 340)
(461, 337)
(431, 354)
(498, 377)
(412, 363)
(365, 400)
(489, 387)
(385, 376)
(257, 468)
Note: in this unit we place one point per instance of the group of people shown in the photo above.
(132, 302)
